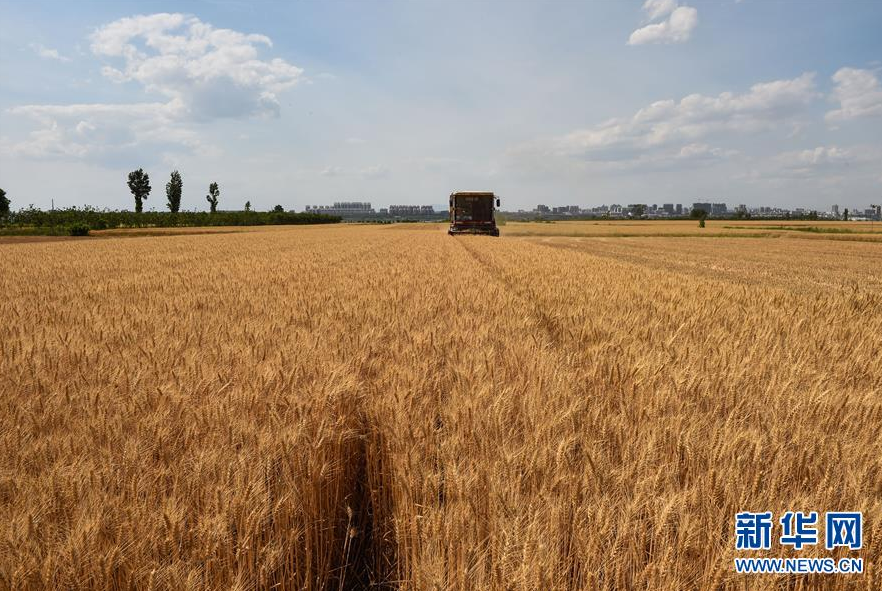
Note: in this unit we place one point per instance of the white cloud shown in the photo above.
(670, 134)
(668, 122)
(374, 172)
(659, 8)
(818, 156)
(823, 165)
(332, 171)
(704, 152)
(104, 131)
(676, 28)
(829, 160)
(48, 52)
(203, 73)
(859, 95)
(212, 72)
(368, 172)
(135, 110)
(803, 163)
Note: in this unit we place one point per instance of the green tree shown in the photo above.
(638, 210)
(4, 204)
(701, 223)
(78, 229)
(698, 214)
(139, 185)
(279, 209)
(247, 206)
(213, 194)
(173, 190)
(845, 215)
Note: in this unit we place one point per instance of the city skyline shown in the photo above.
(405, 102)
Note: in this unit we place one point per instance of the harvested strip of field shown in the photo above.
(332, 407)
(852, 231)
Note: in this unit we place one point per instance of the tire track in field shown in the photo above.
(567, 345)
(550, 327)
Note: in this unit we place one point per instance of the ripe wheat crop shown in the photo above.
(341, 407)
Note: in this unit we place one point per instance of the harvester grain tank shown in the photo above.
(473, 212)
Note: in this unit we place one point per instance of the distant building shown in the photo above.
(637, 209)
(542, 209)
(566, 210)
(705, 207)
(835, 210)
(668, 208)
(719, 209)
(411, 210)
(679, 209)
(343, 208)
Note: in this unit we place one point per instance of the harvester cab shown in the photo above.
(473, 212)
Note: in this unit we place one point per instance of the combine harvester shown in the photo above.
(473, 212)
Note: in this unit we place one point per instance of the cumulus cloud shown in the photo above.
(212, 72)
(202, 73)
(374, 172)
(48, 52)
(655, 9)
(824, 158)
(104, 131)
(805, 162)
(676, 28)
(858, 93)
(332, 171)
(704, 152)
(667, 122)
(823, 162)
(368, 172)
(671, 132)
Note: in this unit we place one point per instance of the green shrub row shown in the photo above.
(95, 219)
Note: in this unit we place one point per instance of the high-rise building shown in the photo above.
(342, 208)
(411, 210)
(705, 207)
(835, 210)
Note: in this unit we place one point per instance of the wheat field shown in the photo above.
(359, 406)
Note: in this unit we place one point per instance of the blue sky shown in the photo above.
(556, 102)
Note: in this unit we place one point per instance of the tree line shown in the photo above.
(79, 221)
(139, 185)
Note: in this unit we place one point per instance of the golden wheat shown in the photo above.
(330, 408)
